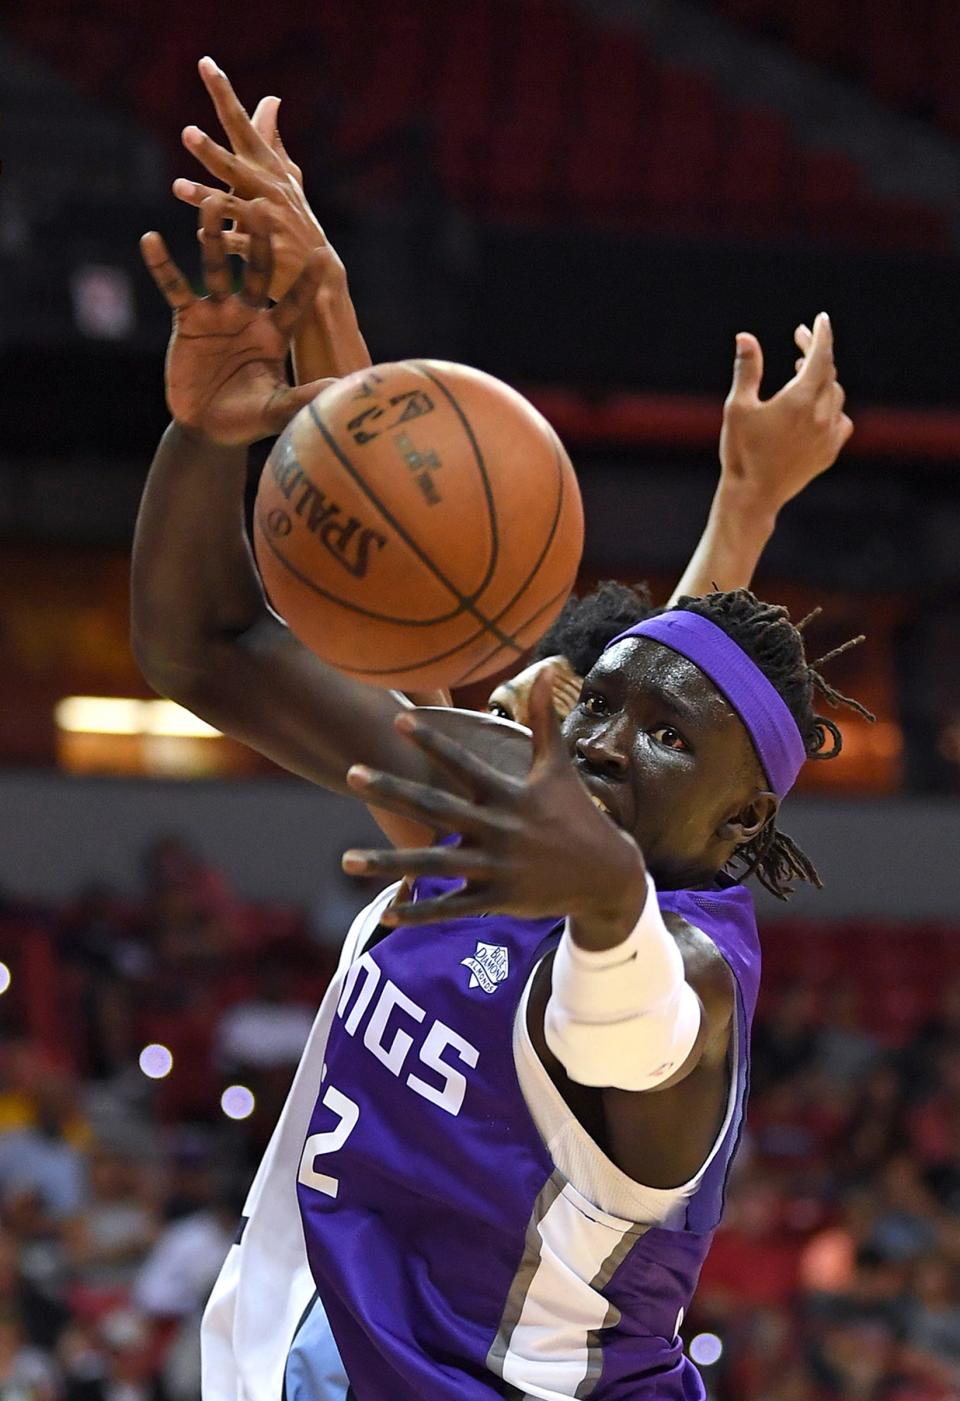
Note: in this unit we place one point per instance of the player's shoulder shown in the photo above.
(717, 931)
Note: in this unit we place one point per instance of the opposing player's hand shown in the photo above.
(533, 847)
(226, 361)
(771, 449)
(257, 168)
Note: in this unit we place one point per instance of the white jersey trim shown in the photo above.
(581, 1161)
(244, 1346)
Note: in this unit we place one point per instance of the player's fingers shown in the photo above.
(455, 904)
(264, 120)
(258, 272)
(479, 777)
(445, 861)
(846, 430)
(819, 368)
(243, 135)
(190, 192)
(803, 339)
(216, 268)
(747, 367)
(173, 286)
(236, 244)
(544, 722)
(297, 300)
(235, 171)
(431, 806)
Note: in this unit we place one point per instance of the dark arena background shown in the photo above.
(588, 200)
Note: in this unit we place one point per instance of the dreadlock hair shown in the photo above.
(585, 625)
(764, 631)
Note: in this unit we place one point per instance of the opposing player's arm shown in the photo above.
(327, 341)
(770, 450)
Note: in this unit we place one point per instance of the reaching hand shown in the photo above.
(258, 167)
(529, 847)
(226, 360)
(775, 447)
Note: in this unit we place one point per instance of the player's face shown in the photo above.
(511, 699)
(663, 751)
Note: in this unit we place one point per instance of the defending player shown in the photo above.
(509, 1136)
(769, 450)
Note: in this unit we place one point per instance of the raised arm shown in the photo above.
(770, 450)
(201, 628)
(328, 341)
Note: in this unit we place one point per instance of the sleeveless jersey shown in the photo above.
(452, 1258)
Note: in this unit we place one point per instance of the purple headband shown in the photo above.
(776, 738)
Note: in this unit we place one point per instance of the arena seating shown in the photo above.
(909, 61)
(900, 969)
(519, 110)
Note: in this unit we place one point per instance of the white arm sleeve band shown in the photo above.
(623, 1017)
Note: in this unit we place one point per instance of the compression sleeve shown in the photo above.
(623, 1017)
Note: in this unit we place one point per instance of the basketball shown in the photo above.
(418, 525)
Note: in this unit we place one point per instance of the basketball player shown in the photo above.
(769, 450)
(504, 1152)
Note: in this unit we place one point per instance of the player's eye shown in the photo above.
(594, 704)
(501, 711)
(669, 737)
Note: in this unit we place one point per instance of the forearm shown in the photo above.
(193, 580)
(736, 534)
(329, 342)
(623, 1015)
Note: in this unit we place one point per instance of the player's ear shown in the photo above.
(743, 825)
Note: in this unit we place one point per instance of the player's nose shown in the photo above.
(605, 752)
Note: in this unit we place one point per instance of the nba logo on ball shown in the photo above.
(488, 967)
(418, 525)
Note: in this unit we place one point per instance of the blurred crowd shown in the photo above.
(837, 1270)
(836, 1273)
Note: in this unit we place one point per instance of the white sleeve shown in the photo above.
(623, 1017)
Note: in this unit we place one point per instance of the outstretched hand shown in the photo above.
(226, 361)
(773, 448)
(534, 847)
(256, 168)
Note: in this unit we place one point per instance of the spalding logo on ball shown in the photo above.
(418, 525)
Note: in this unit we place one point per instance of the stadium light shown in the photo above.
(122, 715)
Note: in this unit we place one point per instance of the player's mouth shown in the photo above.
(603, 796)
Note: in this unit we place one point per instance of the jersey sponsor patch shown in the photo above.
(489, 966)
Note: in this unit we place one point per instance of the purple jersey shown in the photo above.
(453, 1259)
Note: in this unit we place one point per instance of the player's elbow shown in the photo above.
(177, 674)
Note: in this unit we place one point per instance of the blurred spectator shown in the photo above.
(933, 1310)
(26, 1372)
(172, 864)
(753, 1260)
(108, 1241)
(270, 1029)
(906, 1225)
(785, 1043)
(844, 1049)
(939, 1033)
(44, 1157)
(875, 1125)
(177, 1275)
(42, 1318)
(829, 1259)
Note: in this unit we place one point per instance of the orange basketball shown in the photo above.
(418, 525)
